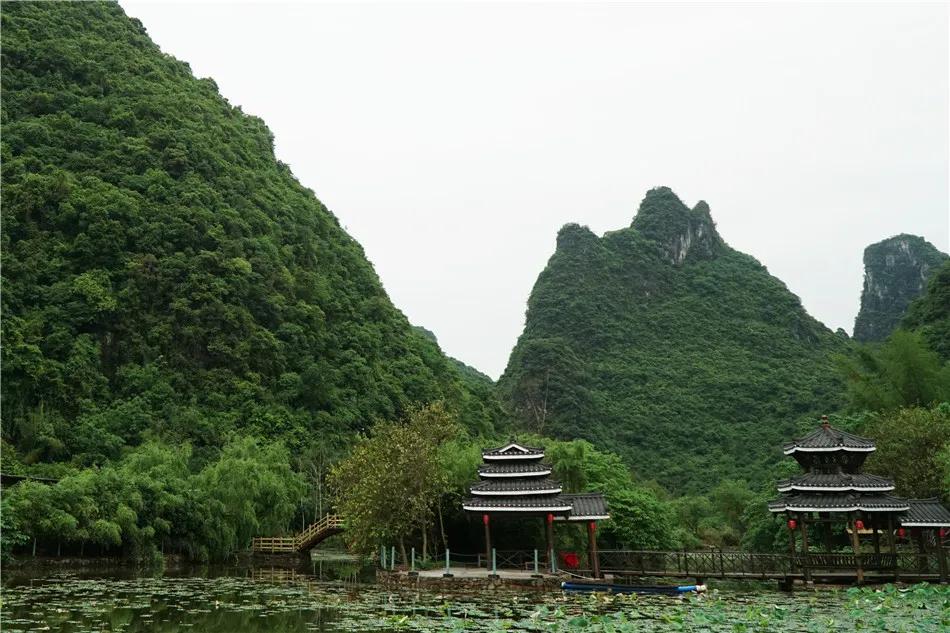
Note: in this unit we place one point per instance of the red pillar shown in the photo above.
(592, 549)
(485, 520)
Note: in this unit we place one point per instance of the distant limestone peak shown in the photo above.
(681, 232)
(896, 271)
(681, 354)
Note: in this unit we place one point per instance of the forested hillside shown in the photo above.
(164, 275)
(930, 313)
(662, 343)
(896, 271)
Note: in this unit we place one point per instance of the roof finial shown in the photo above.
(824, 422)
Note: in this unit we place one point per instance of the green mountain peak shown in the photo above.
(896, 271)
(680, 231)
(669, 347)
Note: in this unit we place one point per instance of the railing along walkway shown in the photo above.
(725, 564)
(301, 542)
(704, 563)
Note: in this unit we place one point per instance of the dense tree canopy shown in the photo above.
(166, 281)
(930, 313)
(163, 272)
(389, 486)
(902, 372)
(191, 342)
(154, 500)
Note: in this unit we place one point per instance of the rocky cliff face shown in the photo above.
(681, 232)
(896, 271)
(662, 343)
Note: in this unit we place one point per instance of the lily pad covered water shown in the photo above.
(270, 603)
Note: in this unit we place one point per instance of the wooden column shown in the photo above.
(791, 543)
(941, 556)
(486, 520)
(549, 531)
(806, 568)
(592, 549)
(826, 530)
(921, 549)
(856, 546)
(892, 543)
(877, 535)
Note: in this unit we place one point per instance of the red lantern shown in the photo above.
(593, 526)
(550, 518)
(943, 532)
(485, 519)
(859, 525)
(792, 524)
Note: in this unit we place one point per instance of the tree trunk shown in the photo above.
(425, 545)
(402, 549)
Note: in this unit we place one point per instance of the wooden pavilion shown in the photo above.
(514, 481)
(833, 491)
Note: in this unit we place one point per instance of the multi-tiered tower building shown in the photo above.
(514, 481)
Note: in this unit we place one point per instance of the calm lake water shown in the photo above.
(334, 597)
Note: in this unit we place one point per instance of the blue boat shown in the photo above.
(606, 587)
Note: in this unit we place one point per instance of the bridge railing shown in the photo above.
(314, 530)
(273, 544)
(327, 525)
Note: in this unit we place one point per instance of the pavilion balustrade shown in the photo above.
(927, 563)
(518, 559)
(869, 561)
(709, 563)
(721, 563)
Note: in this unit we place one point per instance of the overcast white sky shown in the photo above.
(454, 140)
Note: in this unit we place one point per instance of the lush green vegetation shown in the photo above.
(164, 273)
(930, 314)
(662, 343)
(896, 271)
(403, 484)
(195, 350)
(156, 500)
(167, 281)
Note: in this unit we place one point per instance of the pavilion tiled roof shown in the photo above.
(826, 438)
(544, 485)
(528, 503)
(512, 468)
(514, 479)
(587, 506)
(836, 482)
(926, 513)
(838, 502)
